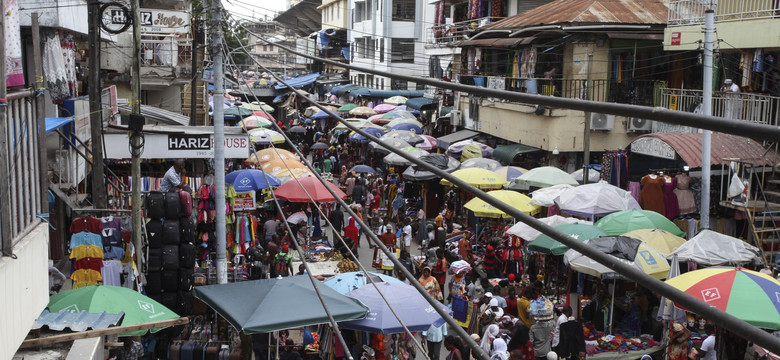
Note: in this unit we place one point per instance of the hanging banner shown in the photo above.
(244, 201)
(13, 45)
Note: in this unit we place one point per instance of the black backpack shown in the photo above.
(281, 266)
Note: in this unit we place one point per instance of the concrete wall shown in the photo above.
(168, 98)
(339, 19)
(25, 288)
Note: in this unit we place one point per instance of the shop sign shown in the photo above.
(244, 201)
(164, 21)
(178, 145)
(652, 146)
(676, 37)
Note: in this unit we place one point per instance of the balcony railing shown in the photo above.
(757, 108)
(625, 92)
(447, 33)
(691, 12)
(170, 52)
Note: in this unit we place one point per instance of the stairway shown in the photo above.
(201, 111)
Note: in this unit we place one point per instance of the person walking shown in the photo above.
(434, 337)
(540, 333)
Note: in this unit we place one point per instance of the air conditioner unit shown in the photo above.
(601, 121)
(639, 124)
(456, 118)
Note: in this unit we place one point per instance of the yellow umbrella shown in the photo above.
(270, 154)
(286, 175)
(481, 178)
(274, 166)
(513, 198)
(265, 136)
(661, 240)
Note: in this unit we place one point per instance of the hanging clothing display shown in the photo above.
(111, 272)
(652, 195)
(685, 200)
(671, 206)
(56, 77)
(528, 63)
(614, 168)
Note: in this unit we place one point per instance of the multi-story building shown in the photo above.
(271, 55)
(333, 36)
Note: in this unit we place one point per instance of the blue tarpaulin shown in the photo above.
(345, 52)
(299, 81)
(377, 93)
(418, 102)
(56, 123)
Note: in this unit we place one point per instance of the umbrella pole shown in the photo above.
(277, 345)
(612, 305)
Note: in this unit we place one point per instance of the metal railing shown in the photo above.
(23, 172)
(639, 92)
(757, 108)
(691, 12)
(447, 33)
(166, 52)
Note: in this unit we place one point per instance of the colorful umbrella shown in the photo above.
(546, 196)
(320, 115)
(397, 100)
(286, 175)
(309, 186)
(319, 146)
(270, 154)
(482, 163)
(542, 177)
(546, 245)
(661, 240)
(748, 295)
(624, 221)
(395, 143)
(593, 175)
(365, 169)
(298, 217)
(512, 198)
(246, 180)
(526, 232)
(279, 164)
(408, 127)
(395, 159)
(596, 199)
(383, 108)
(346, 107)
(349, 281)
(398, 113)
(428, 143)
(510, 172)
(459, 265)
(481, 178)
(253, 122)
(258, 105)
(457, 148)
(368, 125)
(627, 250)
(405, 135)
(376, 132)
(264, 115)
(400, 121)
(138, 308)
(262, 136)
(362, 111)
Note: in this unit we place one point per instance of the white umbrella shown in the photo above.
(528, 233)
(546, 196)
(597, 199)
(298, 218)
(712, 248)
(593, 175)
(395, 159)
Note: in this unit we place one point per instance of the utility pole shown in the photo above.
(586, 139)
(5, 188)
(219, 138)
(706, 106)
(99, 192)
(194, 85)
(136, 146)
(40, 113)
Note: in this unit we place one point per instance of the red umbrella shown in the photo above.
(292, 191)
(263, 115)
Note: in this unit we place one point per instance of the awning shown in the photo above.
(507, 153)
(418, 102)
(158, 115)
(635, 36)
(687, 147)
(447, 140)
(53, 124)
(343, 90)
(298, 82)
(498, 42)
(377, 93)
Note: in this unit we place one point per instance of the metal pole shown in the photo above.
(40, 113)
(194, 84)
(5, 152)
(586, 141)
(99, 194)
(135, 138)
(219, 140)
(706, 136)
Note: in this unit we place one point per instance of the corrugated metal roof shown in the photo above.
(76, 321)
(497, 42)
(688, 147)
(156, 114)
(588, 12)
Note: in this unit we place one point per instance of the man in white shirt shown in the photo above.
(708, 351)
(565, 313)
(407, 235)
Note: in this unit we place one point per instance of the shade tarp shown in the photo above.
(298, 82)
(53, 124)
(447, 140)
(418, 102)
(258, 306)
(378, 93)
(506, 153)
(712, 248)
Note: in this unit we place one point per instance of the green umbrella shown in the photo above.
(542, 177)
(546, 245)
(624, 221)
(138, 308)
(258, 106)
(238, 111)
(346, 107)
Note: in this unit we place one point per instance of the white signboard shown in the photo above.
(165, 21)
(652, 146)
(178, 145)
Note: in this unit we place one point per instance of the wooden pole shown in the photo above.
(40, 113)
(5, 198)
(99, 193)
(102, 332)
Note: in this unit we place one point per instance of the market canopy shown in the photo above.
(507, 153)
(623, 249)
(446, 140)
(53, 124)
(298, 82)
(418, 102)
(687, 147)
(256, 306)
(712, 248)
(377, 93)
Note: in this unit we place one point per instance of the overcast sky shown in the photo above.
(245, 9)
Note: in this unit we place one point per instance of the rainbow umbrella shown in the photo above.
(748, 295)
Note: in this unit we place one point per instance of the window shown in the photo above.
(403, 10)
(332, 9)
(265, 47)
(382, 50)
(361, 79)
(369, 9)
(358, 12)
(382, 83)
(270, 48)
(398, 85)
(402, 51)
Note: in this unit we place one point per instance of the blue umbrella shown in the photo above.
(320, 115)
(375, 132)
(363, 169)
(246, 180)
(411, 127)
(346, 282)
(416, 313)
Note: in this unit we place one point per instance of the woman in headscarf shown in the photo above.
(430, 284)
(489, 339)
(499, 349)
(351, 231)
(458, 284)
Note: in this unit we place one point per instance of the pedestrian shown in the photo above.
(406, 260)
(386, 234)
(453, 345)
(434, 337)
(172, 178)
(336, 219)
(351, 231)
(430, 284)
(572, 338)
(270, 227)
(282, 265)
(439, 270)
(524, 305)
(254, 258)
(541, 331)
(562, 318)
(55, 275)
(679, 345)
(511, 301)
(521, 342)
(407, 235)
(493, 344)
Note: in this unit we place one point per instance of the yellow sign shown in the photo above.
(244, 201)
(673, 102)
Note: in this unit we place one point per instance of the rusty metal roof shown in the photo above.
(76, 321)
(724, 146)
(588, 12)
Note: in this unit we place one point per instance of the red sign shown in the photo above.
(676, 38)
